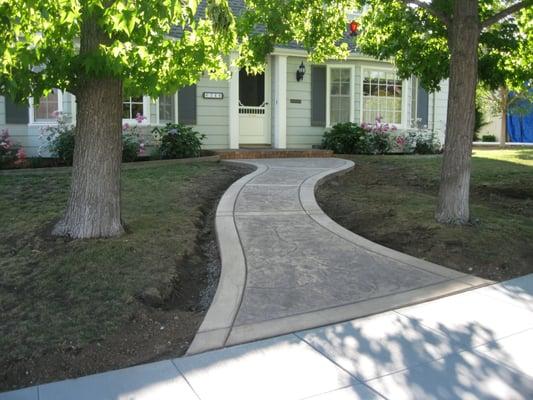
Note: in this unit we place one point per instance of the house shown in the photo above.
(290, 105)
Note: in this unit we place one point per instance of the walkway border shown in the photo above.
(216, 326)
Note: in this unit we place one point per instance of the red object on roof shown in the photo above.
(354, 26)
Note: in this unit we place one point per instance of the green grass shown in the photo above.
(392, 199)
(55, 292)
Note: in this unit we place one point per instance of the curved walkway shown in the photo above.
(287, 266)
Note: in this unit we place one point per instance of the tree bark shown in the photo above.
(504, 106)
(93, 208)
(463, 39)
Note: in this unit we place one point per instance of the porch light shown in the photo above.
(300, 72)
(354, 26)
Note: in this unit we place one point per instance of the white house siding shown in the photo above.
(212, 116)
(438, 107)
(18, 133)
(300, 133)
(2, 111)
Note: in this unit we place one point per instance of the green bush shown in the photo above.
(427, 142)
(488, 138)
(178, 141)
(379, 142)
(347, 138)
(130, 147)
(10, 153)
(61, 140)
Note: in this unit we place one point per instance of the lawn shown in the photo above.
(74, 307)
(391, 200)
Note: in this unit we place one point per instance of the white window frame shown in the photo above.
(32, 120)
(329, 67)
(405, 96)
(146, 115)
(175, 121)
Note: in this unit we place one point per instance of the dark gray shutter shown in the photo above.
(187, 105)
(422, 105)
(318, 95)
(16, 113)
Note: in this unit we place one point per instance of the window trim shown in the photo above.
(158, 119)
(33, 121)
(405, 87)
(329, 67)
(146, 106)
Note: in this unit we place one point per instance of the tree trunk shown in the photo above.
(463, 39)
(503, 101)
(93, 208)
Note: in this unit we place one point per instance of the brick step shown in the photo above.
(271, 153)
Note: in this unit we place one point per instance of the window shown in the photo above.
(340, 98)
(382, 97)
(166, 109)
(132, 106)
(48, 107)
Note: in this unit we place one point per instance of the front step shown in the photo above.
(271, 153)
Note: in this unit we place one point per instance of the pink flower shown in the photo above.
(21, 156)
(125, 126)
(140, 118)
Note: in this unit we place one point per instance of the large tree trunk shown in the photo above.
(94, 205)
(463, 39)
(504, 106)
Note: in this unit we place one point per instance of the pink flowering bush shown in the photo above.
(352, 138)
(10, 153)
(60, 140)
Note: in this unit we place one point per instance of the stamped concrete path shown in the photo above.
(287, 266)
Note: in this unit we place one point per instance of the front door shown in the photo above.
(253, 109)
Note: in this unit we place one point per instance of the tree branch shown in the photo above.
(442, 17)
(504, 13)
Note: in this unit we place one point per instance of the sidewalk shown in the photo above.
(473, 345)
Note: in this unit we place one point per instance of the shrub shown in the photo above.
(347, 138)
(488, 138)
(178, 141)
(130, 147)
(61, 140)
(427, 142)
(10, 153)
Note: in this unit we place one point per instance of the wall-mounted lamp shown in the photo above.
(300, 72)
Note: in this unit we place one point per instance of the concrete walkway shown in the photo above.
(474, 345)
(287, 266)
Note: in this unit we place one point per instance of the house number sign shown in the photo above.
(213, 95)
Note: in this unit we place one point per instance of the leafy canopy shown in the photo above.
(40, 50)
(417, 40)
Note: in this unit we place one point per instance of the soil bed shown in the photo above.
(391, 200)
(71, 308)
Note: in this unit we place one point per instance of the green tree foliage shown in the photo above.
(39, 46)
(417, 41)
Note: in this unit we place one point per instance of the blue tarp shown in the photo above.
(520, 126)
